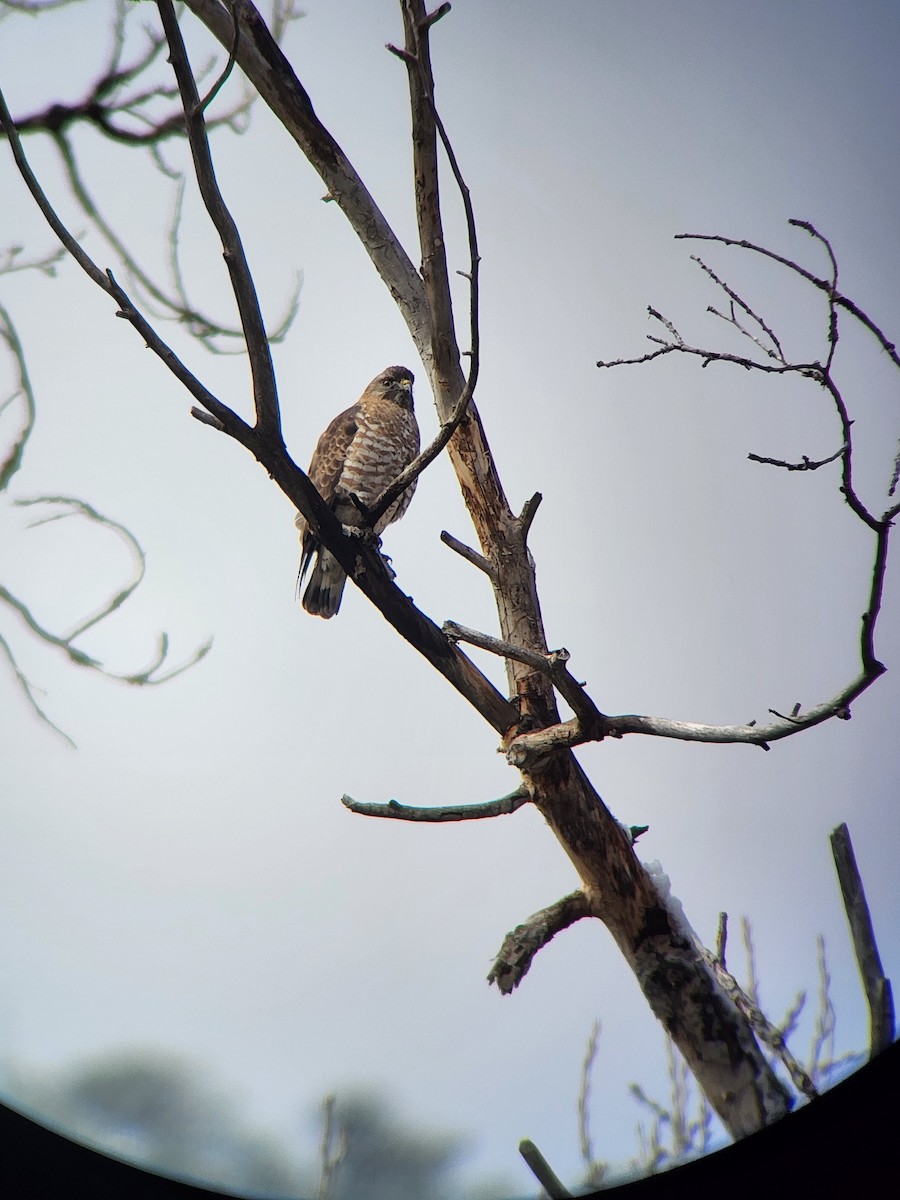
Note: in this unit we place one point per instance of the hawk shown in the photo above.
(359, 454)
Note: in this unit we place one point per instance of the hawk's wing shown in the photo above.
(325, 468)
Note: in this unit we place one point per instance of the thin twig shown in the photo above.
(777, 353)
(821, 1054)
(805, 464)
(594, 1170)
(823, 284)
(106, 281)
(203, 327)
(29, 690)
(746, 1002)
(13, 460)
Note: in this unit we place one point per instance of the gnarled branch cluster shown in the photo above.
(134, 107)
(767, 355)
(56, 508)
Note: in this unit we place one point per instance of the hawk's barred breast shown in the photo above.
(360, 453)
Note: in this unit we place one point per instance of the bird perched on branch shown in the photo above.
(359, 454)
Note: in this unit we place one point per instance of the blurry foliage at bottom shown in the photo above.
(163, 1113)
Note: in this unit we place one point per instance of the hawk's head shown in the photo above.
(394, 383)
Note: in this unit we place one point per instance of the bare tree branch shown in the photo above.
(61, 507)
(554, 1189)
(461, 812)
(121, 114)
(824, 285)
(591, 722)
(265, 392)
(875, 984)
(470, 555)
(332, 1149)
(522, 943)
(106, 281)
(526, 750)
(24, 391)
(179, 306)
(805, 464)
(527, 514)
(264, 63)
(821, 1053)
(595, 1172)
(762, 1026)
(29, 690)
(678, 345)
(722, 938)
(821, 373)
(752, 733)
(418, 62)
(104, 104)
(775, 351)
(65, 642)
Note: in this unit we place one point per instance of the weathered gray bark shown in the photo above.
(877, 986)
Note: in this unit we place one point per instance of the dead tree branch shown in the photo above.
(265, 392)
(522, 943)
(57, 508)
(590, 722)
(455, 812)
(458, 412)
(774, 1038)
(553, 1187)
(805, 464)
(876, 985)
(68, 506)
(470, 555)
(823, 285)
(118, 102)
(821, 373)
(119, 110)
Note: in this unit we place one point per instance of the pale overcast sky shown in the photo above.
(187, 879)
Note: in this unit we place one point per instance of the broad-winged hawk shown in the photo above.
(359, 454)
